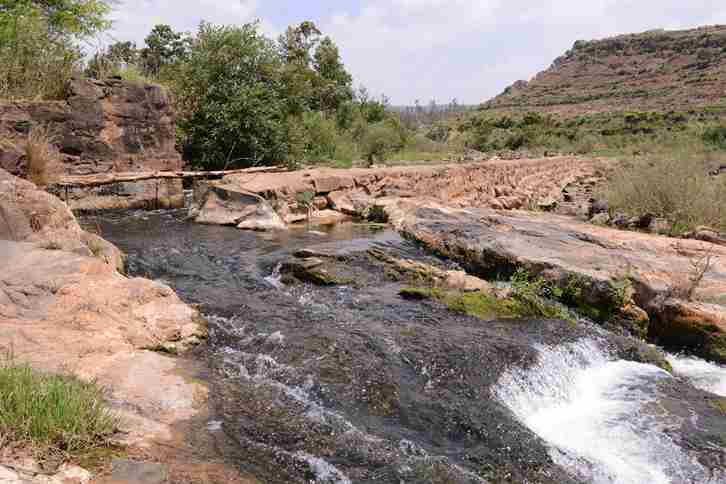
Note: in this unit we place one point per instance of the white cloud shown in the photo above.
(134, 19)
(472, 49)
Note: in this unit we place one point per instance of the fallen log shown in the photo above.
(101, 179)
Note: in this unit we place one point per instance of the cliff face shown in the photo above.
(102, 126)
(653, 71)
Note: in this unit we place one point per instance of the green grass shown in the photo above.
(52, 412)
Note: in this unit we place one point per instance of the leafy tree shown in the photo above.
(118, 56)
(335, 83)
(80, 18)
(164, 47)
(229, 95)
(39, 43)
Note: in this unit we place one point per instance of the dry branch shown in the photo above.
(122, 177)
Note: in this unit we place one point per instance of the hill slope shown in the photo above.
(653, 71)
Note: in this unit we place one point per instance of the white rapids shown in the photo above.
(702, 374)
(601, 416)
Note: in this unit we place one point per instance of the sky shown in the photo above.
(432, 49)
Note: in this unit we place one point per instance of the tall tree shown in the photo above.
(164, 47)
(335, 83)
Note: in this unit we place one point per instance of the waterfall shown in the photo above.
(601, 417)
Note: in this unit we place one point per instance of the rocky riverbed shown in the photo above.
(345, 381)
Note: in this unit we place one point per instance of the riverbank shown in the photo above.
(66, 308)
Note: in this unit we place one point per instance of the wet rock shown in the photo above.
(310, 270)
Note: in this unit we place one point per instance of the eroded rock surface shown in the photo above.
(294, 195)
(607, 268)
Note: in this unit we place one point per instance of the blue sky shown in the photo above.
(434, 49)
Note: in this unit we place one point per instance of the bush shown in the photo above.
(674, 186)
(232, 112)
(51, 411)
(715, 137)
(379, 141)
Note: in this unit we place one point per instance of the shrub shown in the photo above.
(52, 411)
(715, 137)
(674, 186)
(379, 141)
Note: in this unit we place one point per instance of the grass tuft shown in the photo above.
(52, 412)
(40, 155)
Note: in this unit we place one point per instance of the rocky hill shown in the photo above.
(653, 71)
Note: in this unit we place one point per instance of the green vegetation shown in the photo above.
(672, 183)
(39, 43)
(606, 134)
(51, 412)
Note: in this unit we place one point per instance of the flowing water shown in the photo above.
(353, 384)
(605, 418)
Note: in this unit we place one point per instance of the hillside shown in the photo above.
(652, 71)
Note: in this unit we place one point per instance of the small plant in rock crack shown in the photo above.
(306, 200)
(686, 287)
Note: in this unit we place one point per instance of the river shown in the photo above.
(351, 383)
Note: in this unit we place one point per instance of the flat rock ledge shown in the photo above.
(65, 307)
(272, 201)
(637, 276)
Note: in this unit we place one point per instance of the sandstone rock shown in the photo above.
(220, 206)
(355, 191)
(620, 220)
(327, 184)
(132, 472)
(262, 219)
(327, 217)
(67, 474)
(707, 234)
(28, 214)
(320, 203)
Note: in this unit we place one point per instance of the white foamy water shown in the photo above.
(600, 417)
(700, 373)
